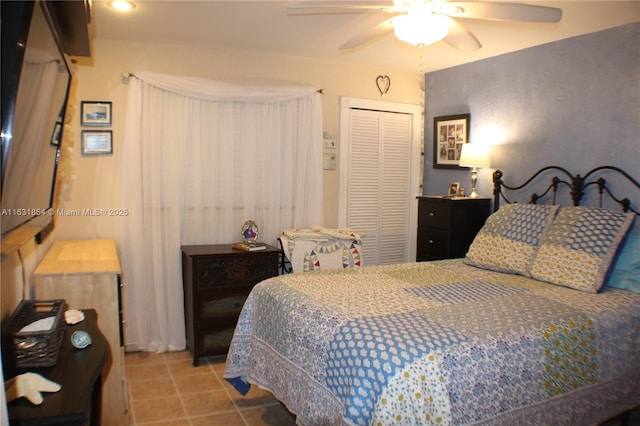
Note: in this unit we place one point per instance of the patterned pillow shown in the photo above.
(580, 247)
(509, 240)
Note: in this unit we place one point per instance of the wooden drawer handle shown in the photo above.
(430, 241)
(431, 214)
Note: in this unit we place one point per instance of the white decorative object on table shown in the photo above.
(73, 316)
(30, 386)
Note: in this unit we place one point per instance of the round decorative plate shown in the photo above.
(250, 232)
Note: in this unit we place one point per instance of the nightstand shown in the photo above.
(79, 372)
(217, 280)
(447, 226)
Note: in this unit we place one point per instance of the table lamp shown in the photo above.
(474, 155)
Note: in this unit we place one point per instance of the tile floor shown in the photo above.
(165, 389)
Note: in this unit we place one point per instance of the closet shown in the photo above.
(380, 176)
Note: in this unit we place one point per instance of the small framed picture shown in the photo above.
(449, 134)
(329, 139)
(329, 161)
(454, 187)
(94, 113)
(250, 232)
(57, 132)
(97, 142)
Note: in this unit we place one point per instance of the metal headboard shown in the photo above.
(577, 185)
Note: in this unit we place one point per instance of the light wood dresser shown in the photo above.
(87, 274)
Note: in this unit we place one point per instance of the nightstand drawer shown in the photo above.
(215, 338)
(243, 270)
(434, 214)
(433, 242)
(223, 305)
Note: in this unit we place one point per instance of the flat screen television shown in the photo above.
(36, 78)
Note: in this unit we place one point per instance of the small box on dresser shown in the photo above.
(447, 226)
(217, 280)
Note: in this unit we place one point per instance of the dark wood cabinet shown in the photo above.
(447, 226)
(217, 280)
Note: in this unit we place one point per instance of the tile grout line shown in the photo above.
(224, 388)
(243, 414)
(175, 385)
(164, 362)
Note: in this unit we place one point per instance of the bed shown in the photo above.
(538, 324)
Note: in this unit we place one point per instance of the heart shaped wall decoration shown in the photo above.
(384, 83)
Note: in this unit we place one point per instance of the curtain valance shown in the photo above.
(213, 90)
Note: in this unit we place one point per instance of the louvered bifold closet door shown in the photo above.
(378, 184)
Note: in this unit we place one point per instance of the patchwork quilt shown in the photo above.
(437, 343)
(322, 248)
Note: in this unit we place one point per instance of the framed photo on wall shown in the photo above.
(329, 161)
(449, 134)
(97, 142)
(95, 113)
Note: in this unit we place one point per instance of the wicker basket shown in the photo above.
(26, 349)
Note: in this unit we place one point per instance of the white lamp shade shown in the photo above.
(474, 155)
(421, 27)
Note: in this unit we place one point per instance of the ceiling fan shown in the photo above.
(423, 22)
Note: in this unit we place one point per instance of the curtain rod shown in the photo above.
(127, 75)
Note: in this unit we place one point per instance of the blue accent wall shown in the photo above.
(574, 103)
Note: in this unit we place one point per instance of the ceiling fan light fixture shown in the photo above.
(421, 27)
(122, 5)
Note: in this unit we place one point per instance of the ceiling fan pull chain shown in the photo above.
(421, 63)
(421, 95)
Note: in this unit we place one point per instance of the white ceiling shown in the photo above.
(265, 26)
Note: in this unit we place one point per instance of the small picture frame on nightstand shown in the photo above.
(454, 187)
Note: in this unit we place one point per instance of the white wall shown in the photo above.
(99, 79)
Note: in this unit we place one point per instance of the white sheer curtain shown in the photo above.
(200, 158)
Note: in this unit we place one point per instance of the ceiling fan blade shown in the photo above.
(345, 3)
(337, 7)
(330, 11)
(370, 34)
(497, 11)
(461, 38)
